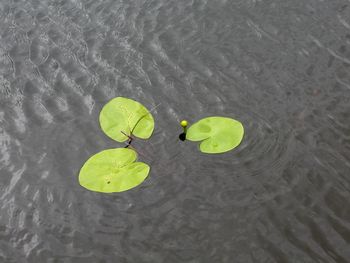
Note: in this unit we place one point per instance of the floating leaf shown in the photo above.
(127, 116)
(218, 134)
(113, 170)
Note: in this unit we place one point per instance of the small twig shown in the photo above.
(130, 138)
(138, 152)
(144, 116)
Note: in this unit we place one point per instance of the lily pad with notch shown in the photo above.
(218, 134)
(113, 170)
(122, 117)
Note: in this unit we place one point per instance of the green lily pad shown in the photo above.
(113, 170)
(218, 134)
(122, 115)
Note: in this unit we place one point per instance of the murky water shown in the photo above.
(280, 67)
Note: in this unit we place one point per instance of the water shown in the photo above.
(280, 67)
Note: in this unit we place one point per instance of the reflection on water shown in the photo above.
(280, 67)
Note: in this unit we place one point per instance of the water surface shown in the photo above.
(280, 67)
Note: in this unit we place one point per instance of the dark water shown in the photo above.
(280, 67)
